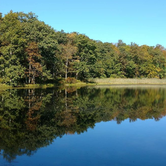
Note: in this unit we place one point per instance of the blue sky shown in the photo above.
(139, 21)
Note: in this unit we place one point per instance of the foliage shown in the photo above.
(13, 74)
(33, 52)
(70, 80)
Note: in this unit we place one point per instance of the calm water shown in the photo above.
(87, 126)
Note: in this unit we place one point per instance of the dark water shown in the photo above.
(87, 126)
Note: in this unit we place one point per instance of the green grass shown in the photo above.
(80, 83)
(39, 85)
(4, 86)
(26, 86)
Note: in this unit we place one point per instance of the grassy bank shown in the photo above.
(4, 86)
(128, 81)
(93, 82)
(27, 86)
(39, 85)
(81, 84)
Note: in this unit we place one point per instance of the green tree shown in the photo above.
(12, 49)
(68, 51)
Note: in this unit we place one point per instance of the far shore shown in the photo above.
(121, 82)
(26, 86)
(99, 82)
(130, 86)
(129, 81)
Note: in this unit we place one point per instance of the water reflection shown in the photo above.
(31, 119)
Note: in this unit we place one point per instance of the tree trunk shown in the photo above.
(29, 73)
(67, 61)
(76, 75)
(33, 77)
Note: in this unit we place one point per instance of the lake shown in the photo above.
(92, 126)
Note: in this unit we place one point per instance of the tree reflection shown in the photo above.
(33, 118)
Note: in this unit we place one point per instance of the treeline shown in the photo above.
(33, 52)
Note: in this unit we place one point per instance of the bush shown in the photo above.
(71, 80)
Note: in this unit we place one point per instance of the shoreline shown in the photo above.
(121, 82)
(107, 82)
(132, 81)
(27, 86)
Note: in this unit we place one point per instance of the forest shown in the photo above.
(32, 52)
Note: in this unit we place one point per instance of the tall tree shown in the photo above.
(11, 49)
(68, 51)
(34, 62)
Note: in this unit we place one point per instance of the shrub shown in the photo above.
(71, 80)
